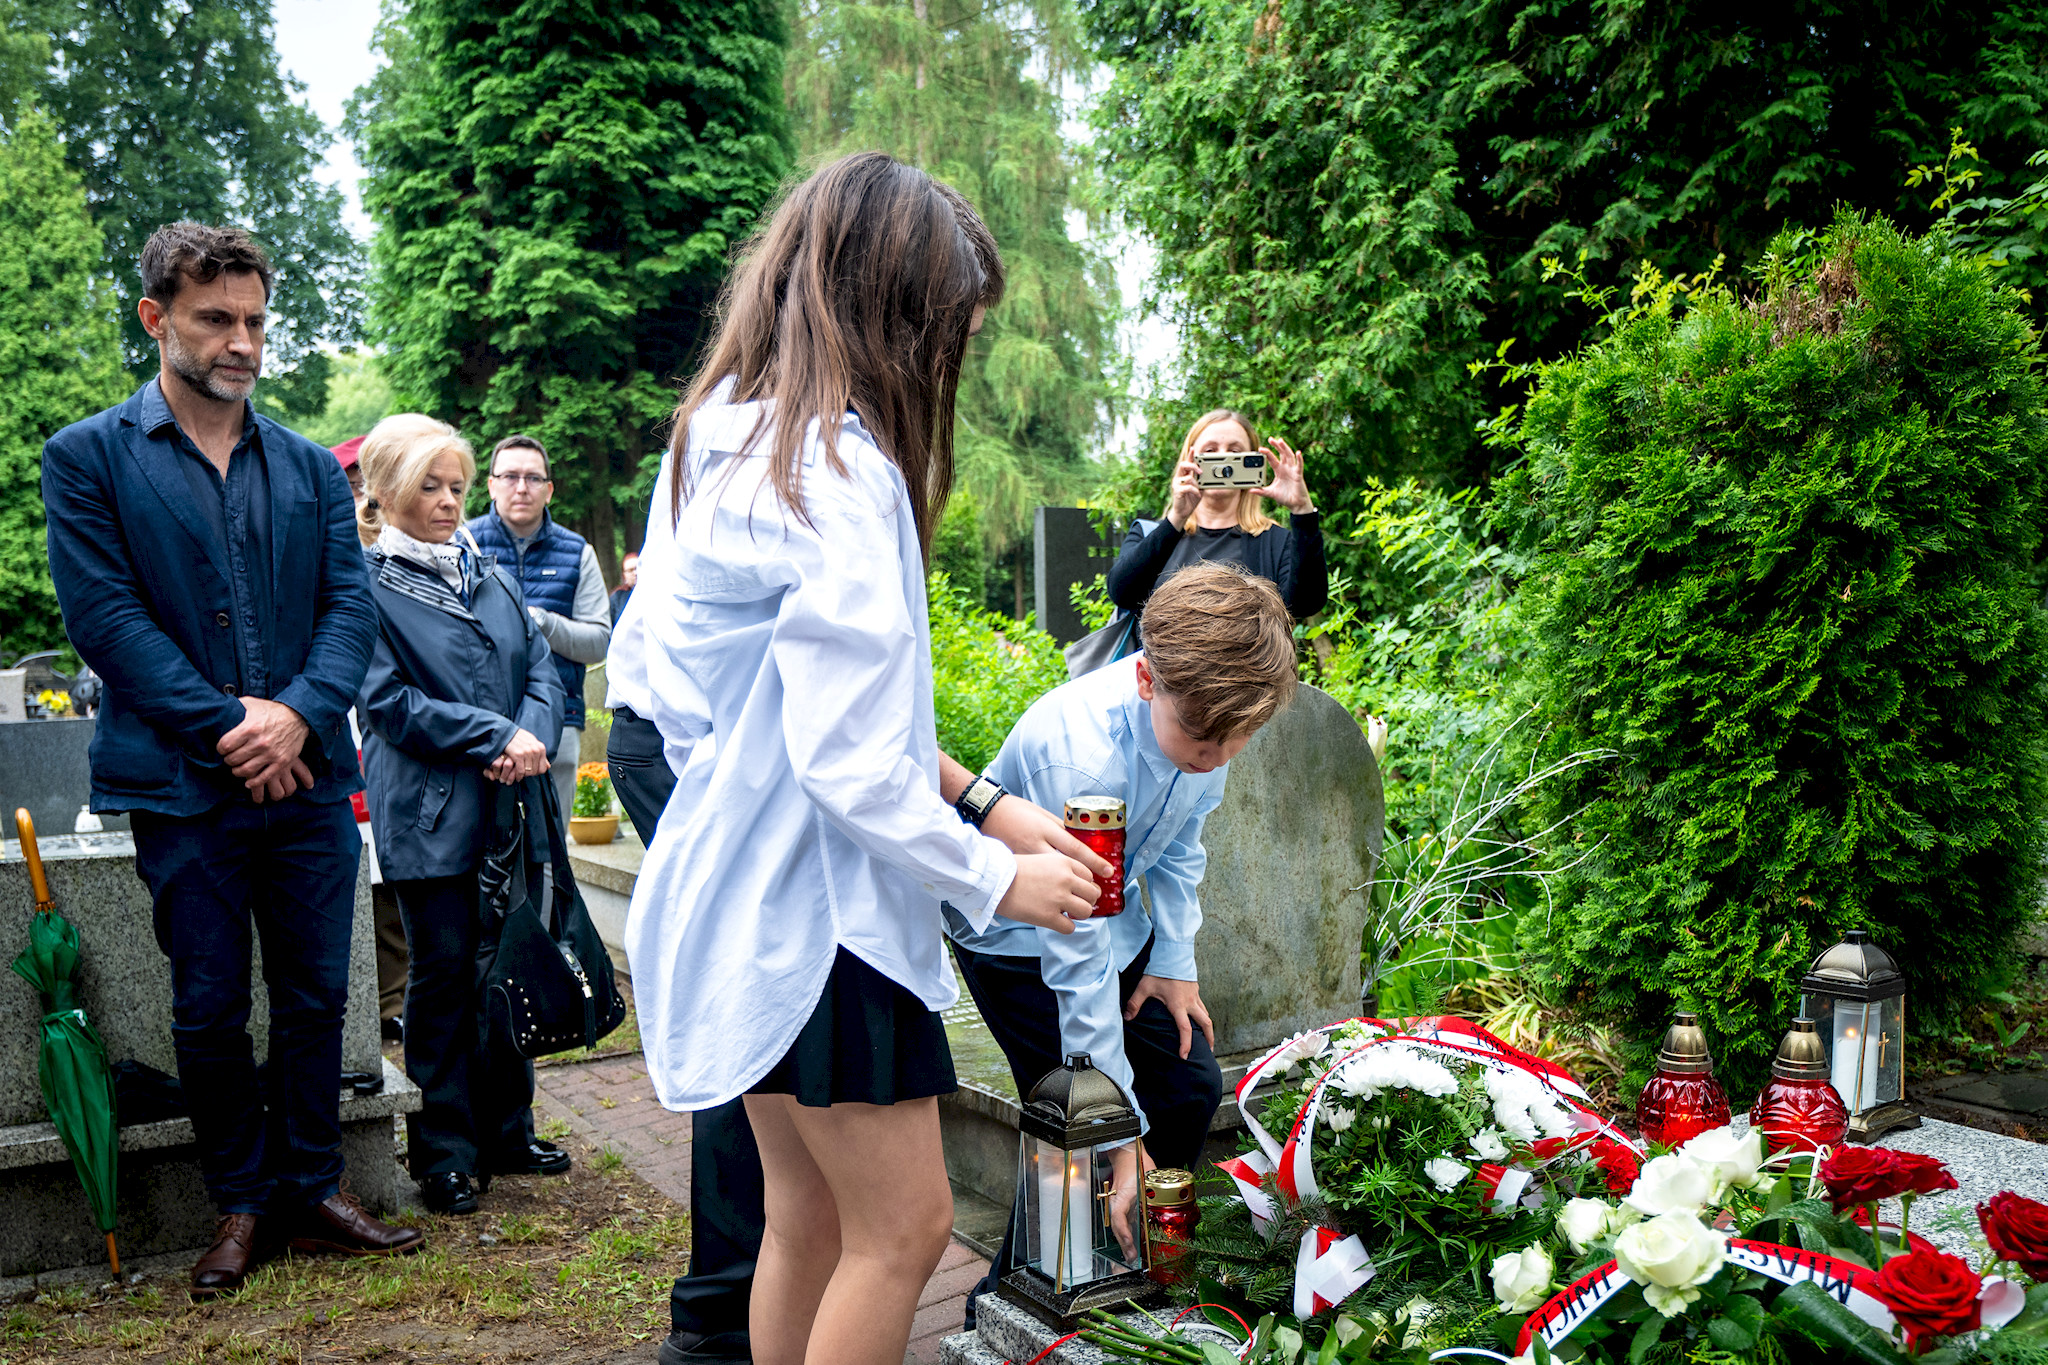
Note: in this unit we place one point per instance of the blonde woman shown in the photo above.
(460, 695)
(1229, 525)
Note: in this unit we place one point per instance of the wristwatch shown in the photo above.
(978, 800)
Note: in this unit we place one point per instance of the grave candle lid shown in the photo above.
(1855, 969)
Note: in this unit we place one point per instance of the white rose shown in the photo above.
(1671, 1184)
(1445, 1172)
(1521, 1281)
(1584, 1222)
(1487, 1144)
(1729, 1159)
(1670, 1256)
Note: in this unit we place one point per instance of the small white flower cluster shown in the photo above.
(1445, 1173)
(1523, 1109)
(1377, 1070)
(1298, 1049)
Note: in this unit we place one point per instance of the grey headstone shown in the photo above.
(44, 767)
(1065, 550)
(1298, 831)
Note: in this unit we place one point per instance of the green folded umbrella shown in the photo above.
(78, 1085)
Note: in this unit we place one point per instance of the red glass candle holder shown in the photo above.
(1098, 821)
(1170, 1218)
(1683, 1099)
(1800, 1109)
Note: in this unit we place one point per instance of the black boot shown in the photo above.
(535, 1158)
(448, 1192)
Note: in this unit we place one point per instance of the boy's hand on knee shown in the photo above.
(1183, 1000)
(1050, 891)
(1024, 828)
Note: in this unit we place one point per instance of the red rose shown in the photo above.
(1864, 1175)
(1922, 1174)
(2017, 1228)
(1620, 1165)
(1931, 1293)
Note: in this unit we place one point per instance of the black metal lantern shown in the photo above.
(1073, 1258)
(1856, 998)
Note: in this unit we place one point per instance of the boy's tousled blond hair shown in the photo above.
(395, 457)
(1221, 644)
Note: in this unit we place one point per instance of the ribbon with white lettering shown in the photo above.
(1843, 1280)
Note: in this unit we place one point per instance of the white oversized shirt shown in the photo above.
(788, 668)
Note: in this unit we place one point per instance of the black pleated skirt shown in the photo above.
(869, 1041)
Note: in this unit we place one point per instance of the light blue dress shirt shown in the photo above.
(1093, 737)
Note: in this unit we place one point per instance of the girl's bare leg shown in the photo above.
(800, 1247)
(883, 1176)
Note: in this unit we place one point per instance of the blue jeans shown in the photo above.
(284, 872)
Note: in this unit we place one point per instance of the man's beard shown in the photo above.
(208, 379)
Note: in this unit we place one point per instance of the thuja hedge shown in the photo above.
(1785, 566)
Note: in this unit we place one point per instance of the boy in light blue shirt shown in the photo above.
(1157, 731)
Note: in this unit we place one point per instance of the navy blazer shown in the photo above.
(444, 695)
(145, 599)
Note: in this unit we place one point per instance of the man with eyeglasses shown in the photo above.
(560, 574)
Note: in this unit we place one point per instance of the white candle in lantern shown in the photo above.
(1079, 1203)
(1856, 1043)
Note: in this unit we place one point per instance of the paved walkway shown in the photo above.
(609, 1103)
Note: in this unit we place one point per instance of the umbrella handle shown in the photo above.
(25, 825)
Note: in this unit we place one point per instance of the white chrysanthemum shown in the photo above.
(1487, 1145)
(1554, 1121)
(1445, 1173)
(1339, 1119)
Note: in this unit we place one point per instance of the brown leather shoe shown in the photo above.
(228, 1261)
(342, 1226)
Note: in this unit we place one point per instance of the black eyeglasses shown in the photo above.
(537, 480)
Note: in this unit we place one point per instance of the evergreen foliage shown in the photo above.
(1785, 559)
(358, 397)
(943, 84)
(60, 356)
(1351, 197)
(986, 669)
(175, 109)
(557, 187)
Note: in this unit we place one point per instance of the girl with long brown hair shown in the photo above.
(785, 931)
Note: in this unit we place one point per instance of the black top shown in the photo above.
(1291, 557)
(620, 596)
(237, 514)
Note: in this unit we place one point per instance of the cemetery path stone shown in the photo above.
(609, 1104)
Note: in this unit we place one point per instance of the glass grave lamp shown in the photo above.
(1682, 1100)
(1073, 1258)
(1799, 1109)
(1856, 998)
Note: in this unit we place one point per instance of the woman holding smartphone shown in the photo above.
(785, 931)
(1229, 523)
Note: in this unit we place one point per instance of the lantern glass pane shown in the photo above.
(1110, 1256)
(1056, 1209)
(1854, 1043)
(1890, 1017)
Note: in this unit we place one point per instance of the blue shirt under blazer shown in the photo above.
(148, 602)
(453, 676)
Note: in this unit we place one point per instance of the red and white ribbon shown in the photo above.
(1328, 1269)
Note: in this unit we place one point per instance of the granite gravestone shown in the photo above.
(125, 982)
(1297, 835)
(1065, 549)
(44, 767)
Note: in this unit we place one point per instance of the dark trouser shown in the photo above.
(1179, 1096)
(726, 1218)
(476, 1093)
(285, 870)
(393, 956)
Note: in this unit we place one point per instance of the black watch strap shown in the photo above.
(978, 800)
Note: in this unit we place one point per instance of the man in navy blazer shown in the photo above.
(207, 563)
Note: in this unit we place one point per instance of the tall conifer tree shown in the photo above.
(60, 356)
(946, 85)
(558, 186)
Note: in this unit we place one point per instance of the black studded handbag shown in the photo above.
(549, 987)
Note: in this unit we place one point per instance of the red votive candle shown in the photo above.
(1683, 1099)
(1098, 821)
(1170, 1218)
